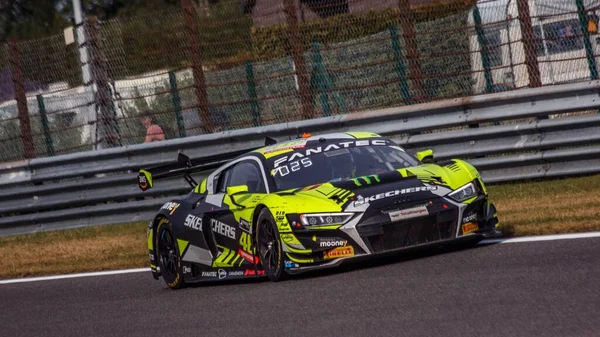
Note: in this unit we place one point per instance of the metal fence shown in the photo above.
(522, 134)
(228, 67)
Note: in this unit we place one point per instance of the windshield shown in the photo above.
(306, 167)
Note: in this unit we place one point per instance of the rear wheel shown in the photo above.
(269, 246)
(168, 255)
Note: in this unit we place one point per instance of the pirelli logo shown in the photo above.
(339, 252)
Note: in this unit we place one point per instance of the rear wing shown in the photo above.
(184, 166)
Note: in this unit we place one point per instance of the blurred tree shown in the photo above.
(323, 8)
(327, 8)
(110, 9)
(25, 19)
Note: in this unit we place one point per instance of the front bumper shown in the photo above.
(445, 221)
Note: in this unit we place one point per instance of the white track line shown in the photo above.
(60, 277)
(139, 270)
(542, 238)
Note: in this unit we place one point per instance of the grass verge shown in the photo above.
(548, 207)
(533, 208)
(75, 250)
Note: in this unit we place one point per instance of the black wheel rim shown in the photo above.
(167, 253)
(268, 247)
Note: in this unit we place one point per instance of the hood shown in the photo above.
(404, 185)
(452, 176)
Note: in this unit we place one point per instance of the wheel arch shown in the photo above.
(162, 221)
(257, 211)
(154, 225)
(280, 274)
(151, 242)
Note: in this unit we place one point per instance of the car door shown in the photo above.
(231, 223)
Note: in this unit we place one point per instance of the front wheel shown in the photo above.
(168, 255)
(269, 246)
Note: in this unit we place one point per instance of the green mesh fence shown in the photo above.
(223, 67)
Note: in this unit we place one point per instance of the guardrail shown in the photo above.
(99, 187)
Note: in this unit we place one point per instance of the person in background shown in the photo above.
(153, 131)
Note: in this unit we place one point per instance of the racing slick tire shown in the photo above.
(168, 256)
(269, 247)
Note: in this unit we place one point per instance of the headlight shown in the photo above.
(325, 219)
(464, 193)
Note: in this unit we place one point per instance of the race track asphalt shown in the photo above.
(547, 288)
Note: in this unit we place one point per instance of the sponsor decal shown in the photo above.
(339, 252)
(330, 147)
(470, 217)
(247, 256)
(289, 146)
(170, 206)
(279, 216)
(222, 274)
(193, 221)
(209, 274)
(187, 270)
(245, 226)
(223, 229)
(365, 179)
(469, 227)
(281, 222)
(408, 213)
(361, 200)
(331, 242)
(236, 273)
(151, 257)
(253, 272)
(290, 264)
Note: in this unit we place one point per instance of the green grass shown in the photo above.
(548, 207)
(75, 250)
(533, 208)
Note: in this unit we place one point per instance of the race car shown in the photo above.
(309, 203)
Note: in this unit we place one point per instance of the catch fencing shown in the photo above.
(509, 136)
(236, 64)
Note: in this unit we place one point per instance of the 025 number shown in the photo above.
(293, 166)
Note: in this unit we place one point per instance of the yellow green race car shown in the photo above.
(310, 203)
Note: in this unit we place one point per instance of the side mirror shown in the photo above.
(425, 156)
(232, 190)
(235, 190)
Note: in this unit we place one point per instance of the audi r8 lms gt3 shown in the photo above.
(310, 203)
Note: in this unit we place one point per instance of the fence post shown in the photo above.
(483, 47)
(412, 53)
(191, 27)
(103, 97)
(18, 82)
(293, 37)
(176, 100)
(45, 127)
(400, 69)
(531, 60)
(252, 94)
(320, 78)
(589, 52)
